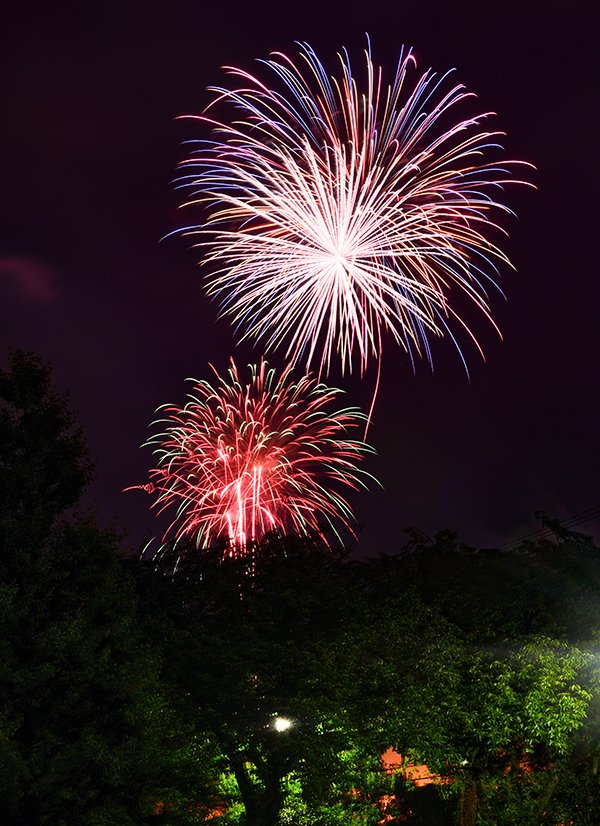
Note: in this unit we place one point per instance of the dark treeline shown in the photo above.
(142, 692)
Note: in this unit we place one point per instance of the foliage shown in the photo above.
(517, 705)
(146, 691)
(86, 735)
(244, 649)
(361, 655)
(44, 463)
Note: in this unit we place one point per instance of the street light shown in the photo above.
(282, 723)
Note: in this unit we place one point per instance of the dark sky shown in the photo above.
(89, 149)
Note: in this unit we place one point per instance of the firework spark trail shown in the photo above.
(238, 461)
(336, 215)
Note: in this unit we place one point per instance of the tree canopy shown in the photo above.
(263, 688)
(86, 735)
(364, 655)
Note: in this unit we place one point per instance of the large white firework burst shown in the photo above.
(336, 213)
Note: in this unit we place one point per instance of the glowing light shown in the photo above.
(337, 213)
(238, 461)
(282, 724)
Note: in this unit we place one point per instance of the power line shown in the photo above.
(568, 523)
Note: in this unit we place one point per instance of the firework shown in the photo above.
(240, 460)
(336, 215)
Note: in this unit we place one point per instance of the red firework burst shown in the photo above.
(240, 460)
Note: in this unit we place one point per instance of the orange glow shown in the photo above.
(420, 775)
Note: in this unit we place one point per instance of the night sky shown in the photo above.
(90, 143)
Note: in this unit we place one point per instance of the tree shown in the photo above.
(364, 655)
(44, 462)
(86, 733)
(514, 696)
(248, 642)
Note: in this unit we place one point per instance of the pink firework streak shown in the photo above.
(336, 214)
(238, 461)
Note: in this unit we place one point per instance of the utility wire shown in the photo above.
(568, 523)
